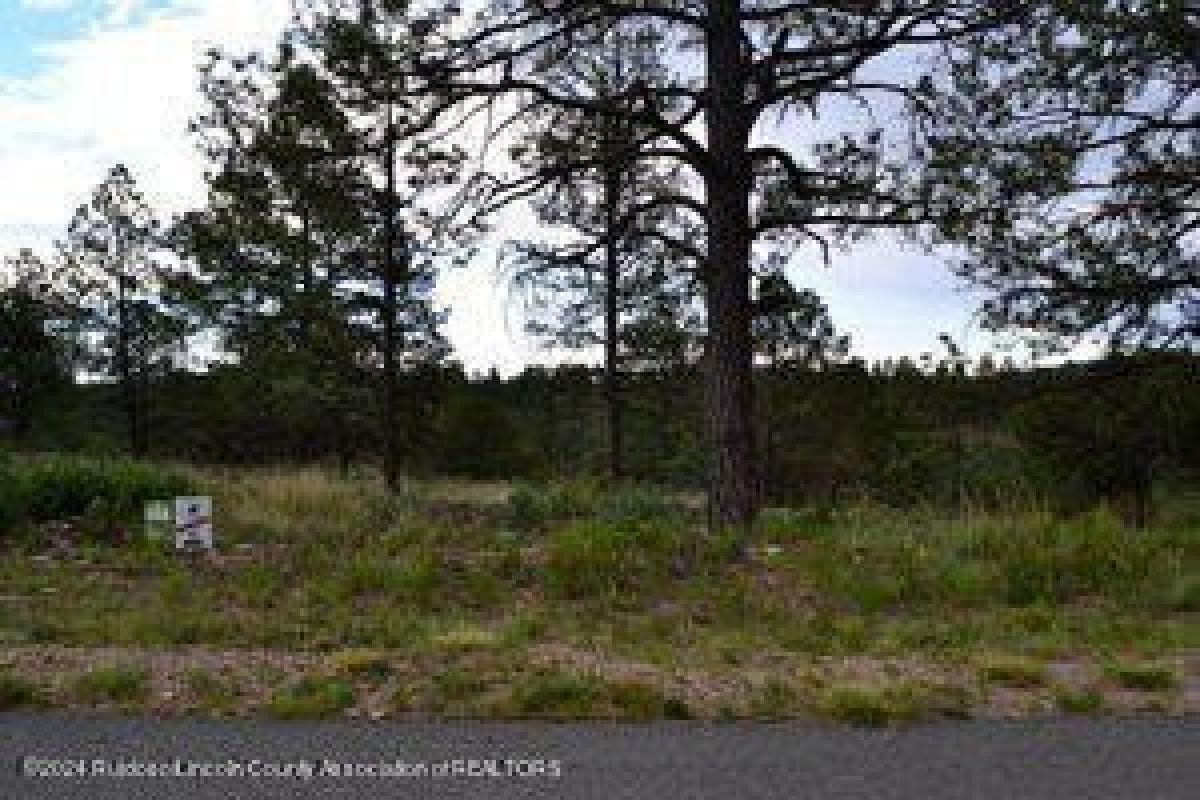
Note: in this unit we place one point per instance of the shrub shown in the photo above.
(362, 664)
(311, 698)
(531, 508)
(1184, 593)
(1021, 673)
(637, 700)
(1079, 701)
(596, 559)
(124, 685)
(1143, 676)
(876, 705)
(557, 694)
(106, 494)
(58, 487)
(16, 692)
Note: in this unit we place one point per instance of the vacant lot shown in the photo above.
(328, 595)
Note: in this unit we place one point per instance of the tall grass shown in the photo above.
(886, 561)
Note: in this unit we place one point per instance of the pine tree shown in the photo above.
(114, 254)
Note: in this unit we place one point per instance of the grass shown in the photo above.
(121, 685)
(1145, 677)
(360, 663)
(17, 692)
(311, 697)
(1087, 700)
(1013, 671)
(879, 704)
(209, 693)
(469, 586)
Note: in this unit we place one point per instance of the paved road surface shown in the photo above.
(1130, 759)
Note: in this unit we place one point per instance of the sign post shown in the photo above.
(193, 523)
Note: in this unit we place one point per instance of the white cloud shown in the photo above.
(121, 92)
(47, 5)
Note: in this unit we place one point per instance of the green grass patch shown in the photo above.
(311, 697)
(208, 693)
(17, 692)
(874, 705)
(557, 694)
(641, 701)
(1013, 671)
(1085, 700)
(1142, 676)
(361, 663)
(123, 685)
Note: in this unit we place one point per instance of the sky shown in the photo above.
(87, 83)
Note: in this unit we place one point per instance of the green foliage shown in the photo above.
(311, 697)
(1146, 677)
(558, 695)
(16, 692)
(1021, 673)
(120, 684)
(638, 700)
(54, 488)
(889, 561)
(884, 703)
(1183, 593)
(362, 664)
(1087, 700)
(535, 508)
(590, 559)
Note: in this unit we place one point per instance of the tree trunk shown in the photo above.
(734, 495)
(128, 381)
(612, 378)
(391, 454)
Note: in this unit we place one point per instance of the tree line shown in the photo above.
(678, 155)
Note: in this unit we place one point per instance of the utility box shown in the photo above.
(193, 523)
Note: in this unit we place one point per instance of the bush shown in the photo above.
(120, 684)
(557, 694)
(105, 493)
(1143, 677)
(878, 705)
(1051, 562)
(1016, 672)
(595, 559)
(1079, 701)
(16, 692)
(311, 698)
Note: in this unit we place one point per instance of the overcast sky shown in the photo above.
(87, 83)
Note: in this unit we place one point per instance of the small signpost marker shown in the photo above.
(158, 520)
(193, 523)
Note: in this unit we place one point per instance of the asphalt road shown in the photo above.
(1131, 759)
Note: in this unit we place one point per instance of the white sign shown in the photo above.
(158, 519)
(193, 523)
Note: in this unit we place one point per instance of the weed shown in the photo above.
(1013, 671)
(361, 663)
(775, 700)
(638, 700)
(1146, 677)
(120, 684)
(882, 704)
(557, 694)
(311, 697)
(208, 692)
(16, 692)
(593, 559)
(1079, 701)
